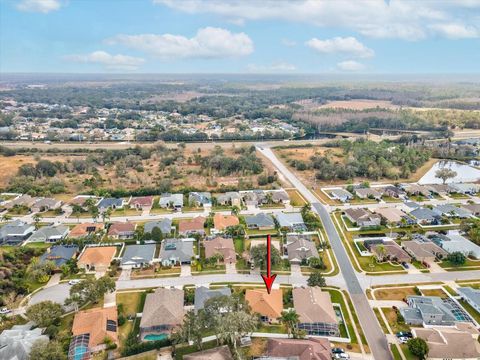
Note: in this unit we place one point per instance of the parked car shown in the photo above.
(403, 339)
(337, 351)
(405, 265)
(5, 311)
(406, 334)
(341, 356)
(73, 282)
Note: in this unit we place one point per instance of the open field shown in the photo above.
(360, 104)
(393, 293)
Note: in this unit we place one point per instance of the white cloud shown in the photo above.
(405, 19)
(456, 31)
(111, 62)
(350, 65)
(278, 67)
(42, 6)
(345, 45)
(208, 42)
(288, 42)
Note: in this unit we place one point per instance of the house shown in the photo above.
(315, 311)
(464, 188)
(431, 311)
(411, 205)
(49, 234)
(453, 242)
(176, 251)
(23, 200)
(231, 198)
(162, 312)
(450, 210)
(268, 306)
(449, 343)
(44, 204)
(81, 199)
(389, 251)
(425, 216)
(222, 246)
(254, 198)
(393, 191)
(141, 202)
(391, 215)
(417, 190)
(300, 248)
(471, 296)
(368, 193)
(85, 229)
(341, 195)
(15, 232)
(174, 201)
(202, 294)
(218, 353)
(96, 258)
(59, 254)
(110, 203)
(222, 222)
(164, 225)
(122, 230)
(473, 209)
(90, 329)
(291, 221)
(362, 218)
(138, 256)
(440, 189)
(193, 226)
(16, 342)
(278, 196)
(260, 221)
(424, 251)
(200, 199)
(299, 349)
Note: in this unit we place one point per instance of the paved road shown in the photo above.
(376, 339)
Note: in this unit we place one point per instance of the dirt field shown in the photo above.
(393, 293)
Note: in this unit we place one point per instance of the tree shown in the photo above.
(36, 219)
(235, 230)
(259, 255)
(445, 174)
(44, 313)
(290, 319)
(457, 258)
(418, 347)
(47, 350)
(90, 291)
(192, 329)
(316, 279)
(235, 325)
(316, 263)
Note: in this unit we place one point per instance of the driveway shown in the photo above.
(125, 274)
(230, 268)
(56, 293)
(185, 270)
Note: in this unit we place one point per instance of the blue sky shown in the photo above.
(213, 36)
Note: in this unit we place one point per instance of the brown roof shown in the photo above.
(85, 229)
(391, 214)
(306, 349)
(163, 307)
(357, 213)
(423, 249)
(313, 305)
(270, 305)
(392, 251)
(142, 201)
(449, 343)
(120, 228)
(219, 353)
(220, 245)
(101, 255)
(221, 222)
(195, 224)
(94, 322)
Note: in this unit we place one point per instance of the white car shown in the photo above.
(5, 311)
(342, 356)
(73, 282)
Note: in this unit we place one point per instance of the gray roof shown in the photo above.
(291, 220)
(109, 202)
(16, 343)
(163, 307)
(178, 249)
(449, 209)
(301, 248)
(279, 195)
(473, 295)
(138, 254)
(52, 232)
(165, 226)
(342, 193)
(203, 198)
(59, 254)
(433, 306)
(228, 196)
(260, 220)
(15, 228)
(202, 294)
(167, 199)
(424, 214)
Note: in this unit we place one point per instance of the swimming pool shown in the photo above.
(155, 337)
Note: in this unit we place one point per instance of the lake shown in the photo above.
(465, 173)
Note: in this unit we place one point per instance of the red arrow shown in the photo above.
(269, 278)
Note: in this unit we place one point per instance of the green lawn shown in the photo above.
(336, 297)
(471, 311)
(395, 352)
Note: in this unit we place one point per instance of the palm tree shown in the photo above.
(36, 219)
(290, 319)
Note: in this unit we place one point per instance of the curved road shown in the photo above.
(376, 339)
